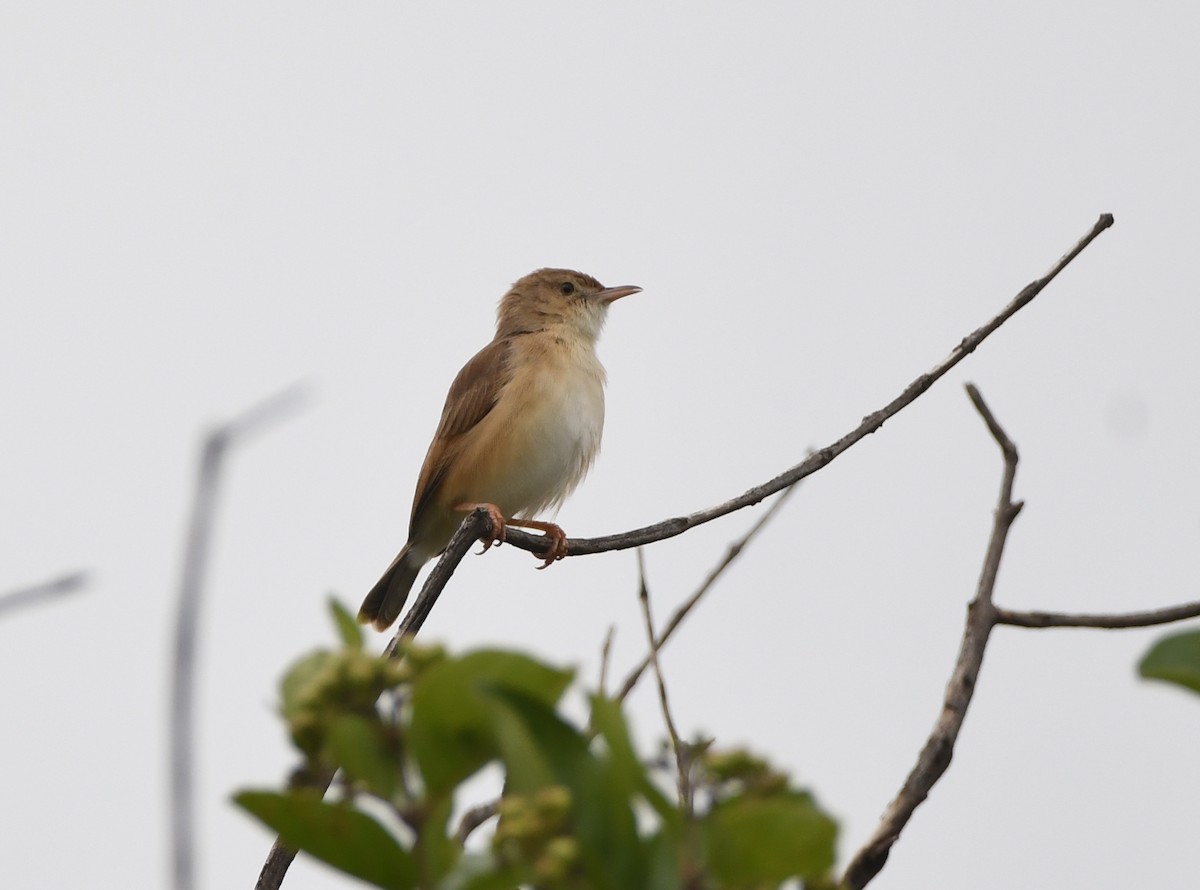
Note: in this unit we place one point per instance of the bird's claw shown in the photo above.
(499, 525)
(557, 549)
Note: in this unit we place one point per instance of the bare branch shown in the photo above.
(1106, 622)
(44, 592)
(1007, 446)
(982, 616)
(187, 622)
(935, 756)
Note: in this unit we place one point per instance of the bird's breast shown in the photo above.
(545, 430)
(564, 422)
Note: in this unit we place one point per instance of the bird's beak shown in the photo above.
(612, 294)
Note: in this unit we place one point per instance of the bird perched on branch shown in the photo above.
(519, 431)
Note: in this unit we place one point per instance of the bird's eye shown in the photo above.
(567, 288)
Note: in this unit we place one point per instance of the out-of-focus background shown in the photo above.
(199, 206)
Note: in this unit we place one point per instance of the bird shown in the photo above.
(520, 428)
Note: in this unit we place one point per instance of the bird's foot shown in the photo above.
(499, 524)
(557, 548)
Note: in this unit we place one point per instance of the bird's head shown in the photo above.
(551, 298)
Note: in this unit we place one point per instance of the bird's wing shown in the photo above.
(472, 395)
(475, 390)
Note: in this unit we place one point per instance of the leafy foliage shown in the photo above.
(580, 810)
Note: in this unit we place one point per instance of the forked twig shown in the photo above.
(935, 756)
(982, 616)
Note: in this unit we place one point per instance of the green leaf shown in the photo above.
(538, 747)
(348, 629)
(610, 723)
(480, 871)
(1175, 659)
(358, 746)
(750, 841)
(512, 670)
(337, 834)
(452, 730)
(611, 849)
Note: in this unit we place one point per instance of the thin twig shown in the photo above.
(605, 656)
(475, 817)
(44, 592)
(187, 622)
(935, 756)
(731, 554)
(1039, 620)
(821, 458)
(682, 757)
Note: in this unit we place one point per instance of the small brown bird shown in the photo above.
(520, 428)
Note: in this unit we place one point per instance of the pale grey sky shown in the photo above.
(200, 205)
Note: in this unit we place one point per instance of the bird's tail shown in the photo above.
(383, 604)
